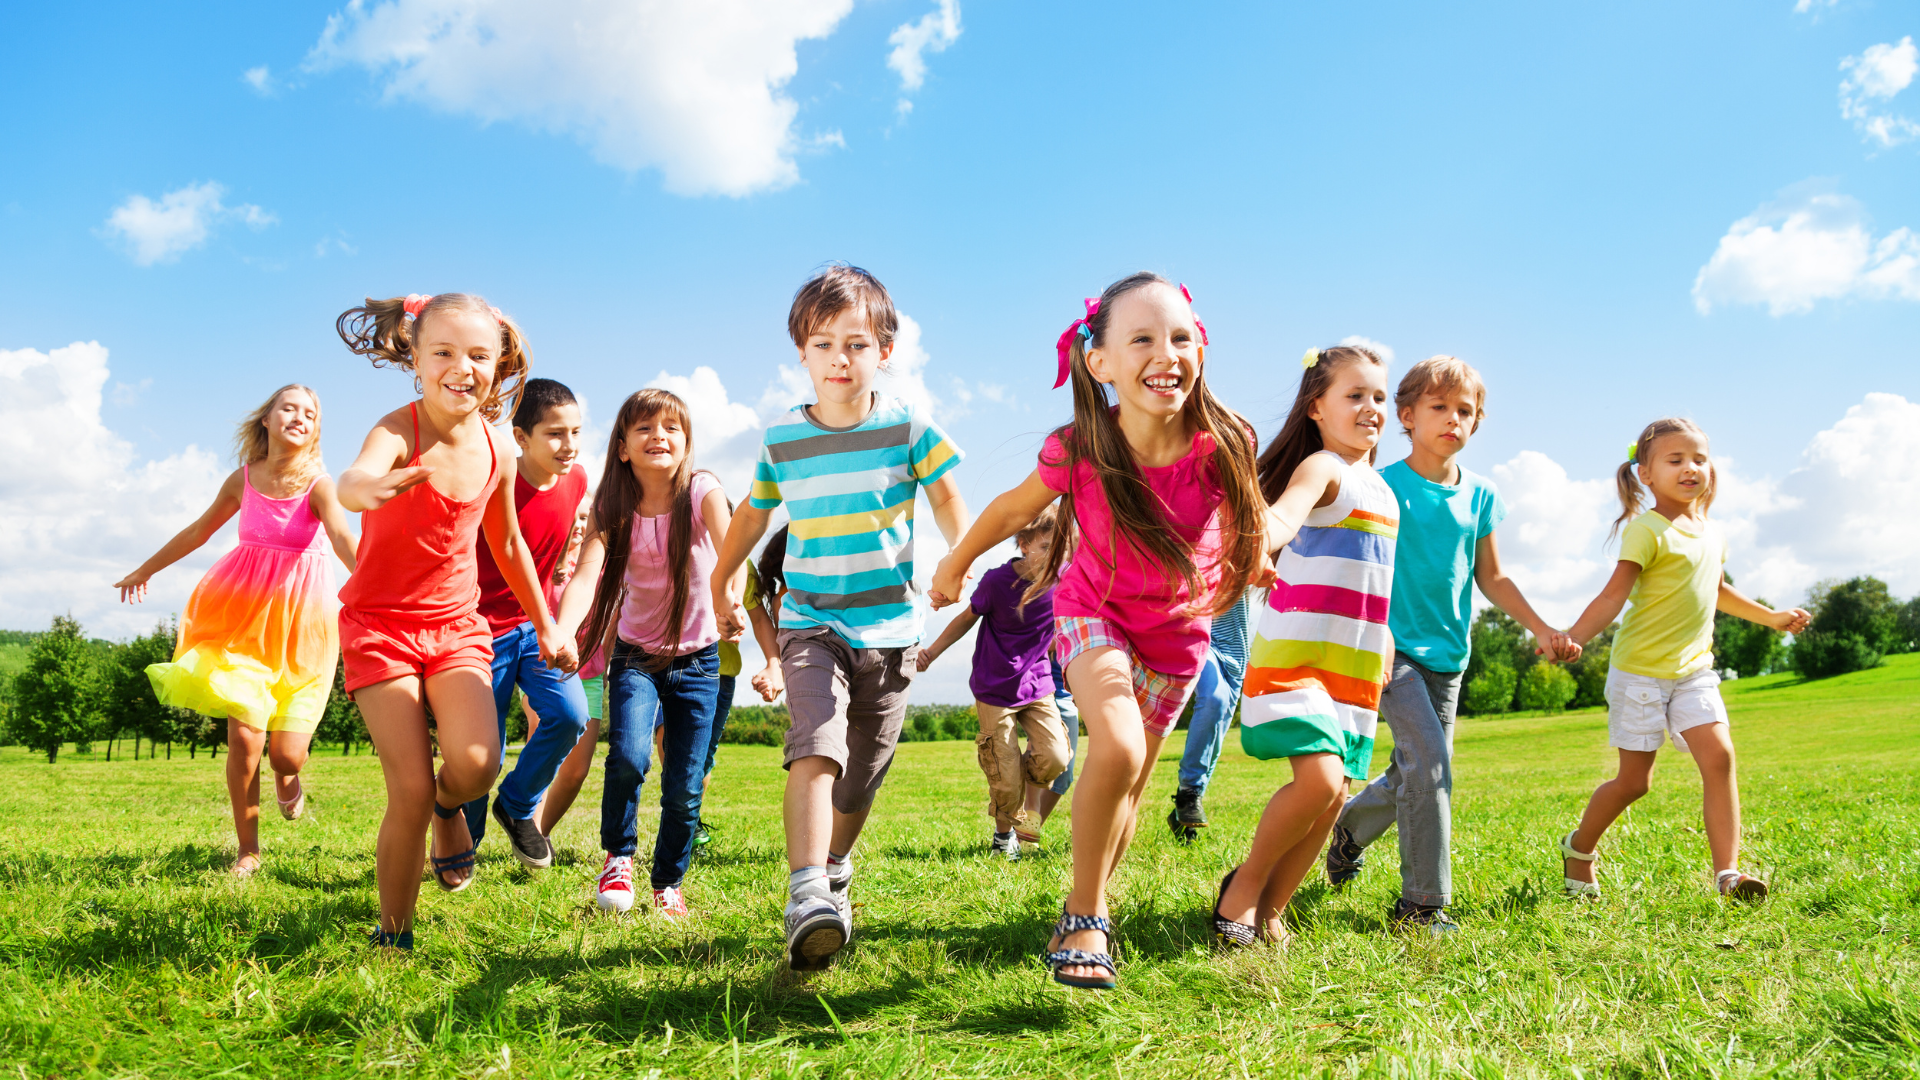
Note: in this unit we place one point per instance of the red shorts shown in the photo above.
(376, 649)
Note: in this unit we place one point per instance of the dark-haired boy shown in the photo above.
(848, 468)
(547, 494)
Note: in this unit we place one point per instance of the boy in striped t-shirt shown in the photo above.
(848, 469)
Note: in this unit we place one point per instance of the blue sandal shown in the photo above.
(461, 861)
(391, 939)
(1063, 958)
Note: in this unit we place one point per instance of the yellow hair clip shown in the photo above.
(1311, 358)
(1633, 450)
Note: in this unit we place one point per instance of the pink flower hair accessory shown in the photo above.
(1080, 327)
(1197, 324)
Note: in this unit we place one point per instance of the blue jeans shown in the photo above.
(562, 706)
(1215, 697)
(681, 697)
(1069, 719)
(1416, 791)
(720, 711)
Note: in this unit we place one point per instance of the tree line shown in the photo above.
(1857, 623)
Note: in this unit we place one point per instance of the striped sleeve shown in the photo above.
(765, 494)
(933, 454)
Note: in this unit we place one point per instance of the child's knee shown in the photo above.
(1632, 786)
(1045, 764)
(286, 760)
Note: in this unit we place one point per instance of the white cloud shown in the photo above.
(1873, 78)
(1383, 351)
(1806, 247)
(156, 232)
(260, 79)
(1804, 7)
(1850, 507)
(79, 520)
(694, 90)
(911, 42)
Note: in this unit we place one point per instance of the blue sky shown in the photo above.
(1615, 214)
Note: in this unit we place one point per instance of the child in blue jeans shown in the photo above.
(1215, 699)
(1446, 546)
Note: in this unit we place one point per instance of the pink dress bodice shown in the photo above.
(285, 524)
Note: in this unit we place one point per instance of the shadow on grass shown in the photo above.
(107, 870)
(194, 938)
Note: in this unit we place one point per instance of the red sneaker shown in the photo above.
(670, 902)
(616, 884)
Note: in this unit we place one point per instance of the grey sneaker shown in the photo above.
(529, 845)
(815, 928)
(840, 882)
(1008, 846)
(1421, 919)
(1345, 856)
(1188, 816)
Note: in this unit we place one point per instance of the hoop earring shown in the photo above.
(419, 387)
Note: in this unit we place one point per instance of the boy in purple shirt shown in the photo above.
(1012, 682)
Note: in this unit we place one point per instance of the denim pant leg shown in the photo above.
(562, 705)
(721, 709)
(506, 665)
(688, 695)
(1069, 719)
(633, 702)
(1214, 697)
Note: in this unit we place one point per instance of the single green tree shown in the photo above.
(1546, 687)
(132, 708)
(1855, 624)
(56, 695)
(1490, 691)
(341, 722)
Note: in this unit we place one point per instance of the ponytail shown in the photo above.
(1626, 478)
(386, 331)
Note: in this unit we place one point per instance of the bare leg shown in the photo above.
(846, 831)
(1712, 747)
(1292, 869)
(287, 753)
(1296, 820)
(468, 730)
(808, 811)
(1040, 803)
(243, 790)
(1119, 761)
(568, 779)
(1609, 801)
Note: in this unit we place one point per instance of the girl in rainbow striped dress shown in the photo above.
(1321, 653)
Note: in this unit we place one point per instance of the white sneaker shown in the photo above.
(616, 884)
(816, 930)
(1009, 847)
(840, 886)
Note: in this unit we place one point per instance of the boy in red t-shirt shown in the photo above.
(547, 494)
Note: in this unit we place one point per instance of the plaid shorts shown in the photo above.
(1161, 699)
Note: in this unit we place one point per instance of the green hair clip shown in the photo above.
(1633, 450)
(1311, 358)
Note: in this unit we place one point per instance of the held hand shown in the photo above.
(1563, 647)
(554, 648)
(1792, 620)
(568, 659)
(728, 612)
(133, 588)
(395, 482)
(926, 657)
(737, 619)
(770, 683)
(1264, 574)
(949, 581)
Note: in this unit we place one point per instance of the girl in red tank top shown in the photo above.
(427, 485)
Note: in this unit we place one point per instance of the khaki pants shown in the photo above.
(1009, 771)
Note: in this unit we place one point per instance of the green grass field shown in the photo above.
(126, 951)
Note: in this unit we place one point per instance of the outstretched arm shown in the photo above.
(1315, 482)
(226, 503)
(325, 503)
(1605, 607)
(1005, 516)
(1504, 593)
(744, 529)
(956, 629)
(375, 477)
(1734, 602)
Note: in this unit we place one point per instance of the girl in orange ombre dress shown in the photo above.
(259, 638)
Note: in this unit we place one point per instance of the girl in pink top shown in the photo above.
(1162, 499)
(651, 545)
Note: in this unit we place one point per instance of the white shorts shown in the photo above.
(1642, 710)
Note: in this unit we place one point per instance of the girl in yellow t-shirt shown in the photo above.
(1662, 680)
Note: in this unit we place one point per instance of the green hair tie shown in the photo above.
(1633, 450)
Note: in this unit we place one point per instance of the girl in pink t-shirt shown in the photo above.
(651, 545)
(1162, 527)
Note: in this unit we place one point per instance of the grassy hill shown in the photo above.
(124, 950)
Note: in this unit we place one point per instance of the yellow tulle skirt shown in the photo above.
(258, 642)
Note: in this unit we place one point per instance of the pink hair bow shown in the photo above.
(417, 303)
(1082, 327)
(1198, 325)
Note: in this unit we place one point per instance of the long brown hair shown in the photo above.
(383, 331)
(1139, 516)
(1626, 479)
(251, 444)
(1299, 438)
(614, 507)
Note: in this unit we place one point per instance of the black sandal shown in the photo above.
(1226, 933)
(460, 861)
(1065, 958)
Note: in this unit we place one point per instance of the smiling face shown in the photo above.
(454, 355)
(654, 448)
(1350, 414)
(842, 357)
(1440, 424)
(554, 442)
(1678, 468)
(293, 420)
(1150, 353)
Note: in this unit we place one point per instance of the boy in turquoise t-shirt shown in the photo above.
(848, 468)
(1446, 546)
